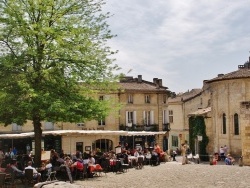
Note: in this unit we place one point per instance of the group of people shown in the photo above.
(223, 155)
(78, 160)
(21, 173)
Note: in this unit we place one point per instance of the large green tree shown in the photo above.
(49, 47)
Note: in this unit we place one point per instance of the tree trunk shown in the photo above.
(38, 137)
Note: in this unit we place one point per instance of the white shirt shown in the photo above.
(34, 170)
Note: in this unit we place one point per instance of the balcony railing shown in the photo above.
(166, 127)
(153, 127)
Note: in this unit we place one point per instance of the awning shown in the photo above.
(144, 133)
(202, 111)
(81, 132)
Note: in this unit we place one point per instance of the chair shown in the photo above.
(29, 178)
(98, 170)
(51, 176)
(105, 164)
(11, 179)
(148, 158)
(79, 173)
(123, 165)
(140, 163)
(2, 180)
(85, 171)
(190, 157)
(197, 158)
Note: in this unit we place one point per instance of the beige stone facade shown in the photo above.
(142, 104)
(227, 121)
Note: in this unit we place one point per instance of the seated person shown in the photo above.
(36, 175)
(13, 166)
(229, 160)
(215, 158)
(68, 162)
(136, 153)
(91, 160)
(77, 165)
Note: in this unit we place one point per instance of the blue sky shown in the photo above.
(182, 42)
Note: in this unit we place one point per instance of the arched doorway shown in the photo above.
(103, 144)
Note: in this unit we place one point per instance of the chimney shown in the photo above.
(160, 82)
(155, 80)
(220, 75)
(139, 78)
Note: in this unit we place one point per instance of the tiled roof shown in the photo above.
(141, 86)
(138, 84)
(185, 96)
(241, 73)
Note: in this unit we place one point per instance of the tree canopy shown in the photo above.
(48, 47)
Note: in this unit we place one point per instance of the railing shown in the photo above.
(166, 127)
(153, 127)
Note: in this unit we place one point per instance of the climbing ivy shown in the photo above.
(197, 127)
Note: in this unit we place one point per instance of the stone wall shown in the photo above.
(245, 130)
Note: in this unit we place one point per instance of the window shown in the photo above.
(49, 126)
(147, 98)
(130, 98)
(130, 117)
(16, 127)
(209, 102)
(174, 141)
(171, 116)
(224, 128)
(164, 117)
(148, 117)
(236, 124)
(101, 98)
(164, 99)
(101, 122)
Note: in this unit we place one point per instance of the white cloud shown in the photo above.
(171, 38)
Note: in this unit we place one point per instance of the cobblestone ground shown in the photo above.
(173, 174)
(170, 174)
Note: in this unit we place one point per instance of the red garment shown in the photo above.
(79, 165)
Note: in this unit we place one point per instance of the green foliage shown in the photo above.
(197, 127)
(48, 48)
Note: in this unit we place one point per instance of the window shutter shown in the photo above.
(126, 118)
(144, 117)
(151, 117)
(134, 117)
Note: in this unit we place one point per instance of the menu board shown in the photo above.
(118, 150)
(45, 155)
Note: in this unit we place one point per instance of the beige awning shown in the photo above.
(200, 112)
(81, 132)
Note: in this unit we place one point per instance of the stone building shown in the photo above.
(142, 109)
(224, 103)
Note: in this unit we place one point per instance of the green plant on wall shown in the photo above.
(197, 127)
